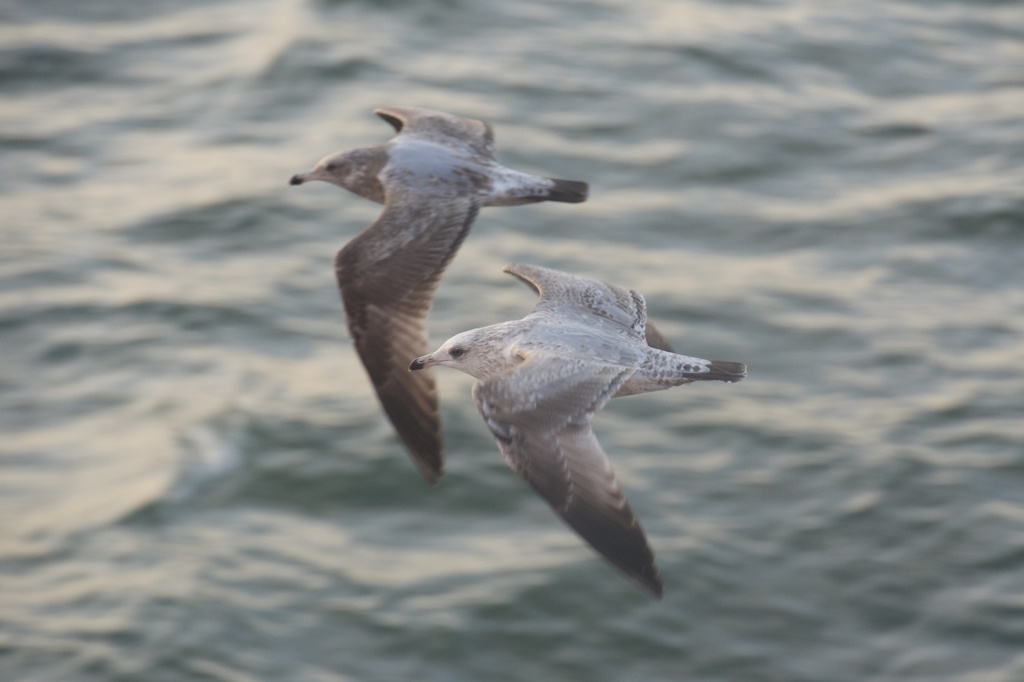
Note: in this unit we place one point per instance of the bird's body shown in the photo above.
(432, 177)
(540, 382)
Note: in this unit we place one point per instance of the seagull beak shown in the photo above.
(297, 179)
(421, 363)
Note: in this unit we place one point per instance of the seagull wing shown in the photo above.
(540, 413)
(580, 296)
(388, 275)
(437, 126)
(560, 290)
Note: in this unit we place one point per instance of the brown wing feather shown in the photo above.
(540, 415)
(655, 339)
(387, 276)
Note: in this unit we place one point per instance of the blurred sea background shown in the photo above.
(197, 483)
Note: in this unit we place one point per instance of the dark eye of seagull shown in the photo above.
(331, 167)
(457, 352)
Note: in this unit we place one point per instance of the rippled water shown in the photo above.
(197, 483)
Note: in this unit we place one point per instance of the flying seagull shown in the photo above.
(432, 177)
(540, 382)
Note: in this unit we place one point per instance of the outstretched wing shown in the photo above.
(388, 275)
(437, 126)
(561, 290)
(565, 293)
(540, 414)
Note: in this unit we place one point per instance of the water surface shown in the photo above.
(197, 483)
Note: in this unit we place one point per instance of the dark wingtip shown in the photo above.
(655, 339)
(392, 120)
(624, 547)
(650, 581)
(296, 180)
(431, 471)
(568, 191)
(428, 460)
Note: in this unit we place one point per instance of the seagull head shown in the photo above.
(479, 353)
(355, 170)
(335, 169)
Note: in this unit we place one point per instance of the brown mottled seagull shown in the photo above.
(432, 178)
(542, 379)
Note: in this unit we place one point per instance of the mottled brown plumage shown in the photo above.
(432, 177)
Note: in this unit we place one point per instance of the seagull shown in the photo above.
(540, 382)
(432, 177)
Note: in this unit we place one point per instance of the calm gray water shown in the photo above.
(196, 482)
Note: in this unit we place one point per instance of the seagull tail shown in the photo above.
(721, 370)
(567, 191)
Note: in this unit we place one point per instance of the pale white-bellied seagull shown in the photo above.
(542, 378)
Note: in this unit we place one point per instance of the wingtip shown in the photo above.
(623, 546)
(424, 446)
(523, 273)
(651, 583)
(393, 116)
(431, 471)
(512, 268)
(433, 476)
(655, 339)
(645, 576)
